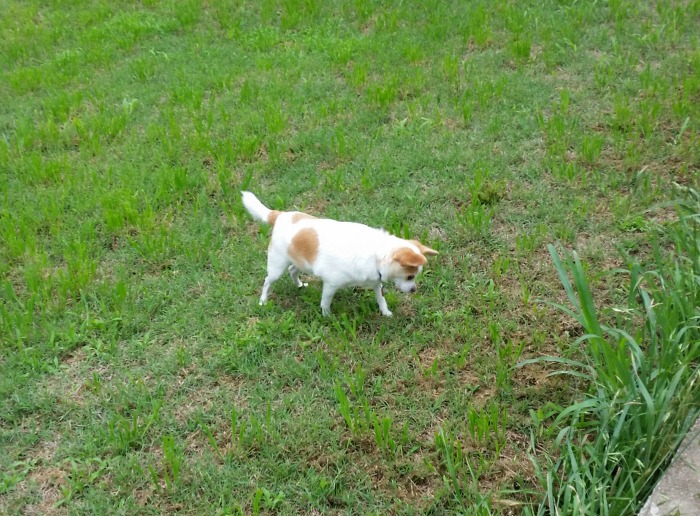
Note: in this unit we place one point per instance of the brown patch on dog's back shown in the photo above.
(304, 246)
(407, 257)
(297, 216)
(272, 216)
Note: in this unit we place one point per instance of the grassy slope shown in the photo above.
(130, 274)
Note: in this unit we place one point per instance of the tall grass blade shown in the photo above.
(643, 371)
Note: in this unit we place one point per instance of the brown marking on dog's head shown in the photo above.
(272, 216)
(304, 246)
(410, 269)
(424, 250)
(297, 216)
(407, 257)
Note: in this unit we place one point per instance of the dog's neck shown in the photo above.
(383, 265)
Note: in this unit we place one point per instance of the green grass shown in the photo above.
(138, 373)
(643, 373)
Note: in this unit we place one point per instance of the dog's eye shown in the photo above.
(409, 278)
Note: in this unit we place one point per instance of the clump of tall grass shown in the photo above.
(642, 371)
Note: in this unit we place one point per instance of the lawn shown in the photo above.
(138, 373)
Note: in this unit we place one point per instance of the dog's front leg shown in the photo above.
(381, 301)
(327, 298)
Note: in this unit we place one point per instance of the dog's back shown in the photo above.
(342, 252)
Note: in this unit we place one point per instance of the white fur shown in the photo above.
(256, 209)
(349, 254)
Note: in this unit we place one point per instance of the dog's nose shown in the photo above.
(413, 289)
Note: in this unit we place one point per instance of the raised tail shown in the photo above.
(258, 210)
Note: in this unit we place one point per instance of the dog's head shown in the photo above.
(407, 263)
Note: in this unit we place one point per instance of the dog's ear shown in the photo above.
(407, 257)
(424, 250)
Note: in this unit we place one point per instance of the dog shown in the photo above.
(342, 254)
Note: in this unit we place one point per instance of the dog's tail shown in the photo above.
(258, 210)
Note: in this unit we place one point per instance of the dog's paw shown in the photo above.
(302, 285)
(388, 313)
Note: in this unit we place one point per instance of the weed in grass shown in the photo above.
(526, 243)
(500, 266)
(126, 433)
(454, 458)
(17, 316)
(647, 118)
(356, 381)
(358, 76)
(237, 432)
(478, 26)
(566, 234)
(210, 438)
(604, 74)
(591, 147)
(451, 68)
(489, 294)
(466, 110)
(487, 426)
(350, 416)
(18, 236)
(566, 171)
(328, 367)
(156, 246)
(565, 101)
(463, 356)
(143, 69)
(188, 12)
(622, 114)
(465, 496)
(346, 327)
(228, 16)
(509, 354)
(387, 22)
(264, 499)
(361, 419)
(483, 190)
(82, 475)
(382, 435)
(384, 93)
(94, 384)
(642, 372)
(14, 474)
(396, 225)
(520, 47)
(476, 218)
(173, 459)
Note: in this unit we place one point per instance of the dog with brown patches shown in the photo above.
(342, 254)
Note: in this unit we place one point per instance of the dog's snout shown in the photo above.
(413, 289)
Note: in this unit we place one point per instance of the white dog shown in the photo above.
(342, 254)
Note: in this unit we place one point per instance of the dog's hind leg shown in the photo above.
(294, 273)
(276, 266)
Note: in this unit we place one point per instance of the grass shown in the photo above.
(138, 374)
(643, 373)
